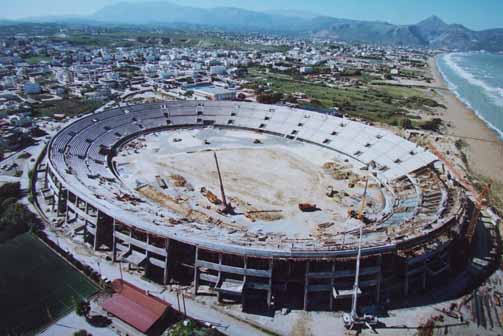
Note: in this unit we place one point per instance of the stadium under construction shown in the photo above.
(258, 204)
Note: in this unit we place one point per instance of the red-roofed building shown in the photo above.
(138, 308)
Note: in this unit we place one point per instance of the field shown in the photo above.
(378, 103)
(69, 107)
(36, 285)
(264, 181)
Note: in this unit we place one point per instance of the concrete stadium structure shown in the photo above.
(410, 247)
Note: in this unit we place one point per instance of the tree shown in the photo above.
(10, 190)
(82, 308)
(81, 332)
(269, 98)
(406, 123)
(432, 125)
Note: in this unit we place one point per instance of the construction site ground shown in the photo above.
(265, 178)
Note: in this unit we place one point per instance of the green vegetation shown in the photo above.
(495, 196)
(415, 102)
(136, 37)
(69, 107)
(82, 308)
(37, 59)
(15, 218)
(377, 103)
(269, 98)
(81, 332)
(460, 144)
(36, 285)
(191, 328)
(371, 104)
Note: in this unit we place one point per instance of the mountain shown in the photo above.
(169, 13)
(431, 32)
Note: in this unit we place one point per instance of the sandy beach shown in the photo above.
(485, 156)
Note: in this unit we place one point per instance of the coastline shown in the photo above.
(484, 157)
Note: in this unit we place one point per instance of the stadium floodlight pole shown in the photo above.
(220, 179)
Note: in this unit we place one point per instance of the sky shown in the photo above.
(475, 14)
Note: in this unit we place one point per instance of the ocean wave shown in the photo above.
(494, 93)
(454, 89)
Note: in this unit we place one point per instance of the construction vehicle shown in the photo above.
(360, 215)
(352, 320)
(307, 207)
(331, 192)
(161, 182)
(210, 196)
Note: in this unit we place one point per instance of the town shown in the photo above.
(95, 108)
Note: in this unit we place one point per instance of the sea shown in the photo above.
(477, 79)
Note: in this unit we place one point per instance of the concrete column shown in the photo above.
(406, 282)
(332, 283)
(66, 202)
(269, 292)
(60, 193)
(96, 241)
(425, 270)
(165, 276)
(114, 242)
(196, 271)
(46, 184)
(379, 278)
(219, 275)
(306, 285)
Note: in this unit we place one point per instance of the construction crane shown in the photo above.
(227, 207)
(352, 320)
(480, 198)
(360, 214)
(364, 200)
(460, 177)
(480, 203)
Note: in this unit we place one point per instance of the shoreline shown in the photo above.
(485, 156)
(449, 84)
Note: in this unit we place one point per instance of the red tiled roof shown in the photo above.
(135, 307)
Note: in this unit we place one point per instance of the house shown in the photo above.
(212, 92)
(138, 308)
(31, 88)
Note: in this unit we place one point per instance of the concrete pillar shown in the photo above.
(66, 202)
(46, 172)
(219, 275)
(97, 227)
(196, 271)
(165, 276)
(406, 282)
(306, 285)
(60, 199)
(269, 292)
(114, 242)
(425, 270)
(379, 278)
(332, 284)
